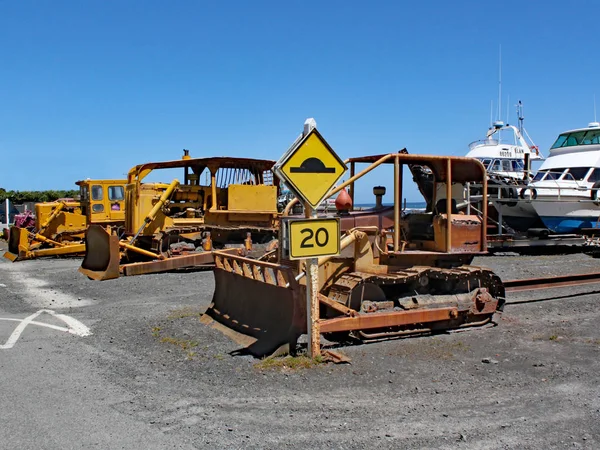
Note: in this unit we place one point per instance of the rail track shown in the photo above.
(529, 284)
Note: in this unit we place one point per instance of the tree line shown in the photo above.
(35, 196)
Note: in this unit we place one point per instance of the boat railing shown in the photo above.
(481, 142)
(513, 194)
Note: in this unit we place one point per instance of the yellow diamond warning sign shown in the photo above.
(310, 168)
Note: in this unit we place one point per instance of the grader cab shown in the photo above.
(398, 272)
(221, 203)
(60, 226)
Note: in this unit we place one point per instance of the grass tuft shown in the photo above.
(289, 363)
(183, 313)
(184, 344)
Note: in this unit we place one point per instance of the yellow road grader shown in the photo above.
(221, 203)
(398, 273)
(60, 226)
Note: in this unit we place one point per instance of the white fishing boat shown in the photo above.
(507, 153)
(564, 192)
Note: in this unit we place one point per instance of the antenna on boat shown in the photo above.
(520, 117)
(491, 114)
(594, 124)
(500, 83)
(507, 105)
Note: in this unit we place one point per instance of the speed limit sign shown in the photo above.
(311, 238)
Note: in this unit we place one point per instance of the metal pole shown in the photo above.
(499, 209)
(448, 205)
(468, 198)
(7, 214)
(312, 282)
(397, 203)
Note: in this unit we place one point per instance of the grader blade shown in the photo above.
(18, 244)
(102, 256)
(258, 299)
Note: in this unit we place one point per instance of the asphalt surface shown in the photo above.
(151, 376)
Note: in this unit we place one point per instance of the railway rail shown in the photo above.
(551, 282)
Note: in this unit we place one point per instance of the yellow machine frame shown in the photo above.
(60, 226)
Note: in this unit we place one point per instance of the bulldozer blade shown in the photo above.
(102, 255)
(258, 299)
(18, 244)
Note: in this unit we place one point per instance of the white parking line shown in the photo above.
(74, 326)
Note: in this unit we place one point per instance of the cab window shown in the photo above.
(97, 193)
(84, 193)
(496, 166)
(539, 175)
(98, 207)
(116, 193)
(506, 166)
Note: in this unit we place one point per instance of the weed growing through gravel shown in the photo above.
(184, 344)
(288, 363)
(183, 313)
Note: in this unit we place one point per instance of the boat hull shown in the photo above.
(520, 217)
(568, 216)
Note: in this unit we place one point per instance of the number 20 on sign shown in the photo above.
(310, 238)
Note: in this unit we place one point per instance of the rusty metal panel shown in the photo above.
(385, 320)
(465, 236)
(177, 262)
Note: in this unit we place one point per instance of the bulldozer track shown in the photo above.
(418, 280)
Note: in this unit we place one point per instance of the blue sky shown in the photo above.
(91, 88)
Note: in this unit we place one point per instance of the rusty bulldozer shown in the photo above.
(222, 203)
(398, 273)
(60, 226)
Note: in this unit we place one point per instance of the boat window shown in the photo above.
(486, 162)
(591, 137)
(518, 165)
(584, 137)
(539, 175)
(576, 173)
(594, 176)
(506, 165)
(495, 167)
(554, 174)
(560, 141)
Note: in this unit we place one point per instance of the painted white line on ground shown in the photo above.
(74, 326)
(41, 293)
(2, 285)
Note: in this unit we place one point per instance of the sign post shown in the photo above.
(310, 168)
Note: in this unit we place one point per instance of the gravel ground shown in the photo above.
(532, 381)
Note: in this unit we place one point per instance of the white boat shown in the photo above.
(564, 192)
(507, 153)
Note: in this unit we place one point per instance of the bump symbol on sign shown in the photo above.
(312, 165)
